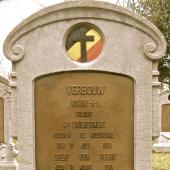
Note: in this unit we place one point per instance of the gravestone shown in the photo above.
(84, 88)
(6, 151)
(163, 143)
(165, 110)
(165, 118)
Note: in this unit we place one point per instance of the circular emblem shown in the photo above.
(84, 43)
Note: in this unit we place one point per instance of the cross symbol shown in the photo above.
(83, 39)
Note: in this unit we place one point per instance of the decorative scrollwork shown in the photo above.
(53, 14)
(18, 52)
(152, 51)
(8, 152)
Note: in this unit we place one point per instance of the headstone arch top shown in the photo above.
(76, 10)
(113, 48)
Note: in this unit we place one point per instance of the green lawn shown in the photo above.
(161, 161)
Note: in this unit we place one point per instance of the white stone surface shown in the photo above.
(163, 144)
(164, 137)
(5, 91)
(161, 147)
(8, 166)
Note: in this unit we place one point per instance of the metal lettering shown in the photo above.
(84, 114)
(82, 135)
(85, 146)
(84, 157)
(108, 167)
(72, 167)
(85, 90)
(84, 103)
(61, 157)
(62, 135)
(102, 135)
(60, 145)
(85, 167)
(88, 125)
(66, 125)
(59, 167)
(108, 157)
(107, 145)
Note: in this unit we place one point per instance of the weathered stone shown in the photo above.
(7, 166)
(165, 118)
(163, 144)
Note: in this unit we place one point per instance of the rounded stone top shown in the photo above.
(78, 10)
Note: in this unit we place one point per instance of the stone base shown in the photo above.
(163, 144)
(164, 137)
(161, 147)
(7, 165)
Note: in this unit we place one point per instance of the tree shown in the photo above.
(158, 12)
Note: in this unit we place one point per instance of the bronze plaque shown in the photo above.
(165, 118)
(1, 120)
(84, 121)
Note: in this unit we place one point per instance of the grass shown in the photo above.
(160, 161)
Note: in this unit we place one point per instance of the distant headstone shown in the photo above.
(163, 142)
(79, 97)
(165, 118)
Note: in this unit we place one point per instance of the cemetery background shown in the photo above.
(36, 6)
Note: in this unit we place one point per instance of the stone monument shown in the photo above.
(163, 142)
(84, 88)
(165, 110)
(165, 118)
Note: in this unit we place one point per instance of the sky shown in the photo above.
(12, 12)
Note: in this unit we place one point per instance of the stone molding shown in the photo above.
(63, 11)
(5, 93)
(4, 86)
(8, 165)
(163, 97)
(164, 92)
(8, 152)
